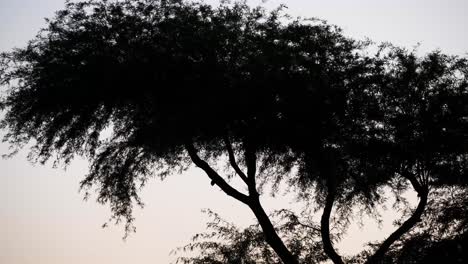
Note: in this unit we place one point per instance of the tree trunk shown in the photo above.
(325, 227)
(271, 236)
(405, 227)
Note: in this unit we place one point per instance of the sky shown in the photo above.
(43, 218)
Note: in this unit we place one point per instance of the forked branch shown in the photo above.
(252, 201)
(214, 176)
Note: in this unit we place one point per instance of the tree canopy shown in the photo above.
(277, 99)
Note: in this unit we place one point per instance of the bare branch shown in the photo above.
(232, 160)
(214, 176)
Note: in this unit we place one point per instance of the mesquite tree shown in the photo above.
(180, 83)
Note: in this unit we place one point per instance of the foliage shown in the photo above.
(175, 71)
(223, 242)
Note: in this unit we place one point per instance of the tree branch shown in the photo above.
(269, 231)
(232, 160)
(422, 191)
(251, 162)
(327, 169)
(214, 176)
(271, 236)
(325, 225)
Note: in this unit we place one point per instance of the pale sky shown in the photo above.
(43, 219)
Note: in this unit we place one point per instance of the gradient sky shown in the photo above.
(44, 220)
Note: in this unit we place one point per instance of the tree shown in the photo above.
(181, 83)
(416, 132)
(426, 114)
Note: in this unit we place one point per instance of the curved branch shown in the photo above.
(328, 170)
(214, 176)
(325, 227)
(422, 191)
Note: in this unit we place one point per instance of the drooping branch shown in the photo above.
(214, 176)
(423, 192)
(232, 160)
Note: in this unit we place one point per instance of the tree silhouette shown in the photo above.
(413, 135)
(277, 99)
